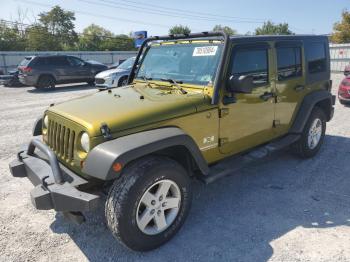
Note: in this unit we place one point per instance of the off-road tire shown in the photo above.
(123, 81)
(126, 192)
(46, 81)
(301, 147)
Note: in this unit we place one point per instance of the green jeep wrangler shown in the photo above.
(196, 105)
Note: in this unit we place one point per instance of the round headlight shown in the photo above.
(85, 142)
(46, 121)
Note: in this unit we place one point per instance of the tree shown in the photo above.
(97, 38)
(60, 24)
(228, 30)
(341, 30)
(179, 29)
(40, 39)
(10, 38)
(269, 28)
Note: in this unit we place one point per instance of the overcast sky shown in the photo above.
(156, 16)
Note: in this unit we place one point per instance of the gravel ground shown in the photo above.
(285, 209)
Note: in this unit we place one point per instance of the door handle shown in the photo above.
(266, 96)
(299, 88)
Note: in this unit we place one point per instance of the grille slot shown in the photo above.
(61, 140)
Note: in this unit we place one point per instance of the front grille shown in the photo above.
(99, 81)
(61, 140)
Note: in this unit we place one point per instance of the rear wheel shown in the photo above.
(46, 82)
(313, 134)
(149, 203)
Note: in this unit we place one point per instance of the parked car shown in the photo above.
(10, 80)
(344, 91)
(240, 98)
(115, 77)
(47, 71)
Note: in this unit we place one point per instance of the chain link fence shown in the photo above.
(340, 57)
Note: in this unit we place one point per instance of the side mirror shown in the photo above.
(241, 84)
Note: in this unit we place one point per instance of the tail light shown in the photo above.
(26, 69)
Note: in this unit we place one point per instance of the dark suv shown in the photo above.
(47, 71)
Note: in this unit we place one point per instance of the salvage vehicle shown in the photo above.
(115, 77)
(47, 71)
(10, 79)
(225, 103)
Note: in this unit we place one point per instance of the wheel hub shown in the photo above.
(158, 207)
(315, 133)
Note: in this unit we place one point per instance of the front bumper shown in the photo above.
(55, 185)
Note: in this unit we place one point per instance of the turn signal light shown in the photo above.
(117, 167)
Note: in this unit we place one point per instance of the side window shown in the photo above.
(251, 62)
(73, 61)
(289, 62)
(56, 61)
(316, 58)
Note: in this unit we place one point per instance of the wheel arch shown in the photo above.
(323, 99)
(170, 141)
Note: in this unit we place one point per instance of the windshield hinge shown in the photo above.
(223, 112)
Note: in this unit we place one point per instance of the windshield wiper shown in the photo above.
(176, 83)
(145, 78)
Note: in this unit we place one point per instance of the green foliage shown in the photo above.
(341, 30)
(10, 38)
(60, 24)
(96, 38)
(228, 30)
(40, 39)
(269, 28)
(179, 29)
(54, 31)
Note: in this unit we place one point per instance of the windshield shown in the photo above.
(127, 64)
(194, 63)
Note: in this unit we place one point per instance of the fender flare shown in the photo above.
(306, 107)
(123, 150)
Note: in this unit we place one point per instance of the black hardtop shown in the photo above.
(265, 38)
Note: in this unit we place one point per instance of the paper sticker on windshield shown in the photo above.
(205, 50)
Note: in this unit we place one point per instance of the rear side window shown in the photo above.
(316, 58)
(251, 62)
(25, 61)
(57, 61)
(289, 62)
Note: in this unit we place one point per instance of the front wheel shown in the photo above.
(149, 203)
(313, 134)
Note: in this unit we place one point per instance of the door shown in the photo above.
(290, 84)
(58, 65)
(80, 71)
(248, 120)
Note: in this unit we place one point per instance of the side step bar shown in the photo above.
(235, 163)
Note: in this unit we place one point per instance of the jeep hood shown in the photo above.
(128, 107)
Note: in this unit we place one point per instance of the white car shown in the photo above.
(115, 77)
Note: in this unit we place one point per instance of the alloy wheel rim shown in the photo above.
(315, 133)
(158, 207)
